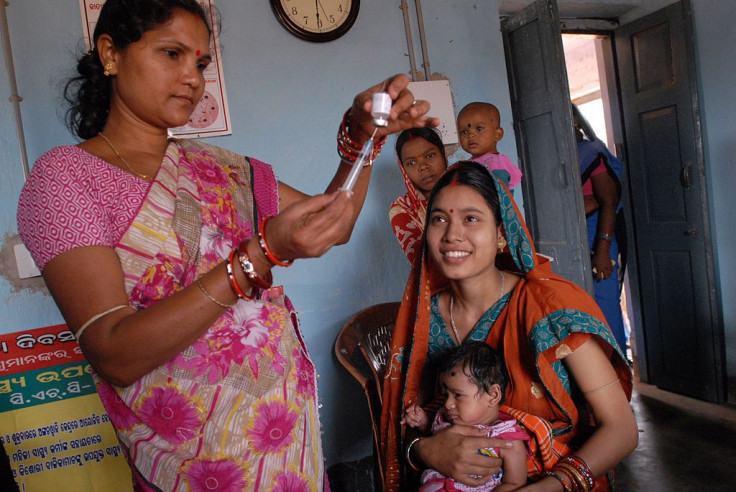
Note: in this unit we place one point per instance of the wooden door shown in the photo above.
(674, 256)
(546, 145)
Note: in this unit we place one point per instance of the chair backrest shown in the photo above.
(369, 332)
(362, 346)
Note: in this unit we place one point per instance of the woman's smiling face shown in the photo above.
(462, 234)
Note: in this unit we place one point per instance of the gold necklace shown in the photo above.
(112, 147)
(452, 310)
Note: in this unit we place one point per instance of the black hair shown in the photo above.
(480, 362)
(582, 127)
(471, 174)
(125, 21)
(429, 134)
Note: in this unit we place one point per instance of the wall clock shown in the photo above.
(316, 20)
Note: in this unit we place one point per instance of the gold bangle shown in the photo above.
(209, 296)
(580, 481)
(602, 387)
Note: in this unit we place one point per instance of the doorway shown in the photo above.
(678, 325)
(585, 63)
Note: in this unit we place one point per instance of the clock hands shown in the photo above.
(319, 6)
(316, 7)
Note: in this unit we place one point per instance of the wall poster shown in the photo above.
(52, 423)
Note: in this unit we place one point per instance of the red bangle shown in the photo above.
(264, 245)
(234, 282)
(250, 269)
(348, 149)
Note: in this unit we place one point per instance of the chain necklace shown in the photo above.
(452, 310)
(112, 147)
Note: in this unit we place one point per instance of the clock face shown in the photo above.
(317, 20)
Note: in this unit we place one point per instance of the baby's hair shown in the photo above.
(481, 363)
(481, 105)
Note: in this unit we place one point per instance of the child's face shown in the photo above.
(479, 130)
(467, 404)
(423, 163)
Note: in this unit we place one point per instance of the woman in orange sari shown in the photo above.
(481, 279)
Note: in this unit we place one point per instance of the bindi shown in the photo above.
(198, 52)
(452, 210)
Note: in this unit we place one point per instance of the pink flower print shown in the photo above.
(214, 243)
(260, 330)
(220, 475)
(304, 374)
(232, 171)
(216, 351)
(211, 173)
(219, 208)
(271, 429)
(290, 481)
(171, 414)
(158, 281)
(250, 324)
(119, 413)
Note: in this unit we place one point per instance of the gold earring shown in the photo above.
(106, 70)
(501, 244)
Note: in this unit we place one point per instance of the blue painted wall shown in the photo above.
(286, 98)
(715, 38)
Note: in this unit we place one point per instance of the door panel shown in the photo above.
(543, 125)
(680, 313)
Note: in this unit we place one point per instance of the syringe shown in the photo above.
(381, 109)
(365, 153)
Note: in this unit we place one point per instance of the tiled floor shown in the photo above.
(684, 445)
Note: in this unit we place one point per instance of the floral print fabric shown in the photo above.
(237, 409)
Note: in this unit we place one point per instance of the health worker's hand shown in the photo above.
(406, 111)
(310, 227)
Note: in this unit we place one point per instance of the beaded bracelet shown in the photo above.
(264, 245)
(581, 466)
(605, 236)
(348, 149)
(250, 270)
(551, 473)
(234, 282)
(576, 477)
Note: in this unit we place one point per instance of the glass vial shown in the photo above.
(381, 108)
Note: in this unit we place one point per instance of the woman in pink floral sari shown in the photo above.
(159, 253)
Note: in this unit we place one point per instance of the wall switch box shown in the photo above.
(26, 266)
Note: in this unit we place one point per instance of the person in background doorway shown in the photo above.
(599, 173)
(422, 161)
(479, 129)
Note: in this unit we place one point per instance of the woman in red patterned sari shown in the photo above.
(422, 161)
